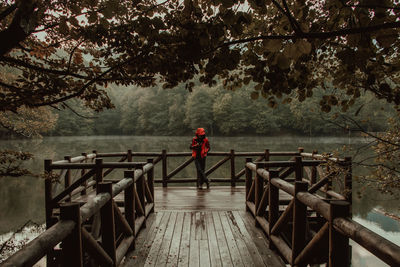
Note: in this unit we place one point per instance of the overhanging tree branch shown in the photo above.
(23, 23)
(375, 6)
(41, 69)
(9, 86)
(316, 35)
(77, 113)
(295, 26)
(86, 86)
(359, 129)
(8, 11)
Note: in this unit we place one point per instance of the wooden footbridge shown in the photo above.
(294, 208)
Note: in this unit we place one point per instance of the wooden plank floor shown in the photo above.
(217, 198)
(201, 238)
(207, 227)
(191, 198)
(181, 198)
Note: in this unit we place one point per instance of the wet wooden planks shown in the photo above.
(201, 238)
(182, 198)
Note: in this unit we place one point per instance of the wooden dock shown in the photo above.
(287, 213)
(193, 227)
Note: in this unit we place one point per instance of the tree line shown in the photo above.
(156, 111)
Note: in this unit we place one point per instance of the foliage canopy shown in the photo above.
(59, 50)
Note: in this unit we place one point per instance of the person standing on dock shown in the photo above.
(200, 147)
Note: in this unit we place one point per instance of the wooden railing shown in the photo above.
(168, 177)
(315, 225)
(83, 218)
(98, 228)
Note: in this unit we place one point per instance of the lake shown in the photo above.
(22, 198)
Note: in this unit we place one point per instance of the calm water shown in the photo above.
(22, 198)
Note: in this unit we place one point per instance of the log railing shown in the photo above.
(98, 228)
(82, 179)
(168, 177)
(312, 228)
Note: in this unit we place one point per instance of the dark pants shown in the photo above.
(201, 166)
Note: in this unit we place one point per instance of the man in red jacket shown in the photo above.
(200, 147)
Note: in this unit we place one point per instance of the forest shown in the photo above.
(156, 111)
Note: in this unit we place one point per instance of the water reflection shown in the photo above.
(383, 226)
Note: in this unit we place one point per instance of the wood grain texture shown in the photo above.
(212, 235)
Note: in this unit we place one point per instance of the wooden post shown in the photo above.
(140, 188)
(266, 158)
(67, 178)
(83, 171)
(107, 221)
(150, 179)
(99, 171)
(233, 180)
(48, 192)
(258, 189)
(273, 205)
(72, 254)
(248, 174)
(266, 154)
(348, 180)
(129, 200)
(299, 221)
(298, 169)
(328, 185)
(339, 250)
(129, 157)
(164, 168)
(93, 160)
(313, 179)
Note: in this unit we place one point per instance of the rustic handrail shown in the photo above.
(322, 157)
(36, 249)
(80, 166)
(337, 228)
(72, 187)
(76, 159)
(382, 248)
(58, 232)
(166, 176)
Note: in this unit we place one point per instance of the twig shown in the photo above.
(361, 129)
(369, 6)
(76, 113)
(15, 232)
(315, 35)
(8, 11)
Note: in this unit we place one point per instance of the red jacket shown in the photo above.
(205, 147)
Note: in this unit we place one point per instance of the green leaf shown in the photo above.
(92, 17)
(247, 80)
(292, 51)
(386, 38)
(283, 62)
(73, 21)
(227, 3)
(254, 95)
(304, 46)
(273, 45)
(63, 27)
